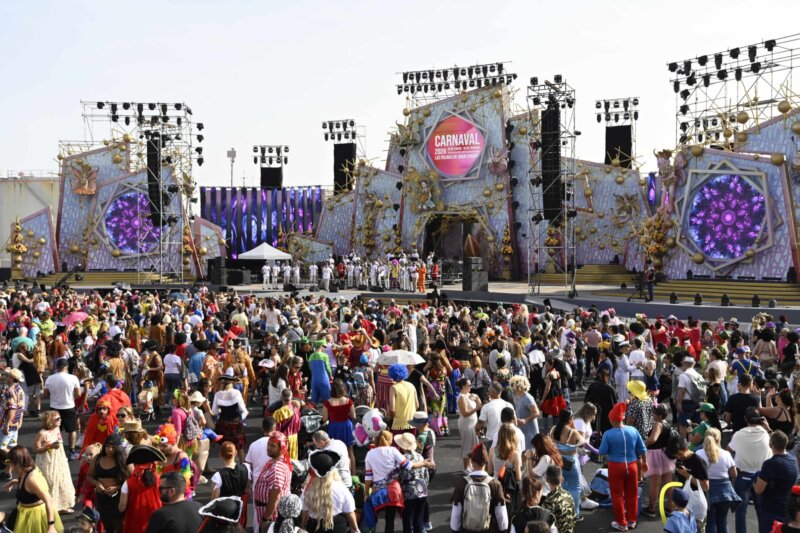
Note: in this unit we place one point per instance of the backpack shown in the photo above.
(191, 429)
(700, 388)
(508, 479)
(476, 512)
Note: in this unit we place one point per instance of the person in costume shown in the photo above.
(328, 505)
(36, 511)
(139, 495)
(287, 420)
(403, 402)
(274, 481)
(289, 509)
(181, 412)
(176, 459)
(339, 412)
(221, 514)
(101, 424)
(107, 473)
(232, 479)
(86, 494)
(52, 461)
(321, 373)
(230, 410)
(118, 397)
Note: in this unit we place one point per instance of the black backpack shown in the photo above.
(671, 449)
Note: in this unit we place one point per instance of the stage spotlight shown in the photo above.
(685, 93)
(616, 117)
(400, 168)
(718, 61)
(200, 138)
(673, 67)
(722, 74)
(402, 152)
(114, 109)
(599, 118)
(538, 217)
(399, 185)
(534, 80)
(200, 161)
(572, 213)
(734, 53)
(517, 225)
(635, 101)
(172, 220)
(698, 299)
(687, 66)
(738, 74)
(514, 182)
(676, 86)
(151, 106)
(773, 303)
(199, 150)
(173, 188)
(769, 45)
(114, 118)
(755, 67)
(255, 159)
(702, 60)
(756, 301)
(126, 105)
(725, 301)
(514, 204)
(598, 104)
(635, 115)
(608, 117)
(751, 52)
(691, 80)
(127, 121)
(684, 109)
(537, 181)
(557, 78)
(200, 126)
(673, 297)
(706, 80)
(100, 105)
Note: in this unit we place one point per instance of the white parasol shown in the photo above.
(399, 357)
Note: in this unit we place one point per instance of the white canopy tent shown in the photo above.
(265, 252)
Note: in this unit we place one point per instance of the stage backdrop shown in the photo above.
(249, 216)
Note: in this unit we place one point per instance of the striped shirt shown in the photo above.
(275, 475)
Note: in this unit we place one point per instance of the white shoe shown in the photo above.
(589, 504)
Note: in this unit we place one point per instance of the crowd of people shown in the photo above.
(142, 386)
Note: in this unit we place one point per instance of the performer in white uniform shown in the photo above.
(265, 275)
(276, 269)
(312, 273)
(296, 274)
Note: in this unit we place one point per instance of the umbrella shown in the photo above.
(399, 357)
(178, 296)
(74, 318)
(16, 341)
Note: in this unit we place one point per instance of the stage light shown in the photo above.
(755, 67)
(599, 118)
(616, 117)
(598, 104)
(200, 126)
(769, 45)
(685, 93)
(534, 80)
(173, 189)
(676, 86)
(537, 181)
(100, 105)
(673, 297)
(608, 117)
(635, 101)
(722, 74)
(635, 115)
(706, 80)
(773, 303)
(114, 109)
(557, 78)
(687, 66)
(151, 106)
(738, 74)
(127, 121)
(673, 67)
(684, 109)
(126, 105)
(691, 80)
(399, 185)
(514, 204)
(200, 161)
(400, 168)
(751, 52)
(199, 150)
(734, 52)
(626, 116)
(324, 125)
(536, 100)
(698, 299)
(756, 301)
(725, 301)
(514, 182)
(702, 60)
(114, 118)
(263, 160)
(538, 217)
(517, 225)
(718, 61)
(572, 213)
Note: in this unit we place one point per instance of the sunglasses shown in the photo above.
(122, 415)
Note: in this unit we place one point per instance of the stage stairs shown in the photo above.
(740, 292)
(106, 278)
(594, 275)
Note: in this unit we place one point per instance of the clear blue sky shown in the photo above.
(270, 72)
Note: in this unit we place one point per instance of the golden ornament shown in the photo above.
(727, 133)
(59, 157)
(796, 127)
(742, 117)
(642, 182)
(116, 253)
(464, 98)
(600, 215)
(385, 196)
(784, 106)
(379, 204)
(601, 246)
(29, 233)
(620, 180)
(587, 192)
(623, 170)
(362, 162)
(592, 230)
(406, 112)
(386, 237)
(614, 243)
(697, 150)
(497, 93)
(426, 112)
(490, 238)
(643, 241)
(127, 137)
(487, 193)
(36, 254)
(490, 205)
(670, 242)
(185, 261)
(499, 187)
(699, 258)
(615, 162)
(473, 108)
(658, 261)
(42, 240)
(523, 130)
(750, 253)
(578, 231)
(777, 159)
(106, 142)
(93, 241)
(117, 159)
(202, 250)
(607, 169)
(74, 248)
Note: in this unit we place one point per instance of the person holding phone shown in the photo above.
(52, 461)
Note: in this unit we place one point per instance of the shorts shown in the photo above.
(33, 390)
(688, 412)
(69, 420)
(7, 441)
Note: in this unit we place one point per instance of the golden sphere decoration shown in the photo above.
(386, 237)
(221, 242)
(601, 246)
(623, 171)
(74, 248)
(497, 93)
(185, 261)
(727, 133)
(406, 112)
(742, 117)
(587, 192)
(616, 162)
(398, 240)
(499, 187)
(93, 241)
(607, 169)
(42, 240)
(697, 150)
(29, 233)
(487, 193)
(523, 130)
(385, 196)
(106, 142)
(59, 157)
(796, 127)
(657, 261)
(741, 137)
(643, 241)
(473, 108)
(362, 162)
(117, 159)
(464, 98)
(750, 253)
(379, 204)
(491, 238)
(699, 258)
(578, 231)
(600, 215)
(202, 250)
(37, 254)
(127, 137)
(777, 159)
(18, 259)
(116, 253)
(614, 243)
(670, 242)
(620, 180)
(784, 106)
(592, 230)
(583, 237)
(490, 205)
(426, 112)
(642, 182)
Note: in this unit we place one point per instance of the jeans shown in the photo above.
(172, 382)
(717, 520)
(414, 515)
(744, 488)
(134, 388)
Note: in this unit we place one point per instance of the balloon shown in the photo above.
(664, 490)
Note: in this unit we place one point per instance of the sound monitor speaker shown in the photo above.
(272, 177)
(334, 286)
(478, 281)
(375, 288)
(552, 186)
(234, 277)
(247, 277)
(619, 140)
(360, 287)
(154, 191)
(289, 287)
(344, 156)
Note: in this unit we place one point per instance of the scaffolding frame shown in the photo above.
(562, 255)
(135, 123)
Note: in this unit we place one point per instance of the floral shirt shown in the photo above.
(13, 398)
(414, 481)
(641, 411)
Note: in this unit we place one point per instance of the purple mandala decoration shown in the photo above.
(129, 226)
(726, 217)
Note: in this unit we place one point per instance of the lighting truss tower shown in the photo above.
(425, 86)
(174, 126)
(712, 90)
(270, 155)
(620, 112)
(346, 131)
(552, 231)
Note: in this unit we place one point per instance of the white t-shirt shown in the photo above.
(61, 386)
(275, 392)
(172, 364)
(718, 470)
(257, 456)
(490, 416)
(583, 428)
(343, 501)
(637, 357)
(520, 438)
(751, 446)
(216, 479)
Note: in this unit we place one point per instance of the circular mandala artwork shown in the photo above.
(726, 217)
(129, 226)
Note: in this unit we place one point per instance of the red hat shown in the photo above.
(617, 413)
(344, 337)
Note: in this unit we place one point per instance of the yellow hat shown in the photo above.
(638, 389)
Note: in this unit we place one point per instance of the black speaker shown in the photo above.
(272, 177)
(552, 186)
(289, 287)
(360, 287)
(478, 281)
(334, 286)
(154, 177)
(5, 274)
(218, 276)
(235, 277)
(344, 156)
(375, 288)
(619, 140)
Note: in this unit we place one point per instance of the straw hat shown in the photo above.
(197, 396)
(405, 441)
(638, 389)
(15, 373)
(132, 425)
